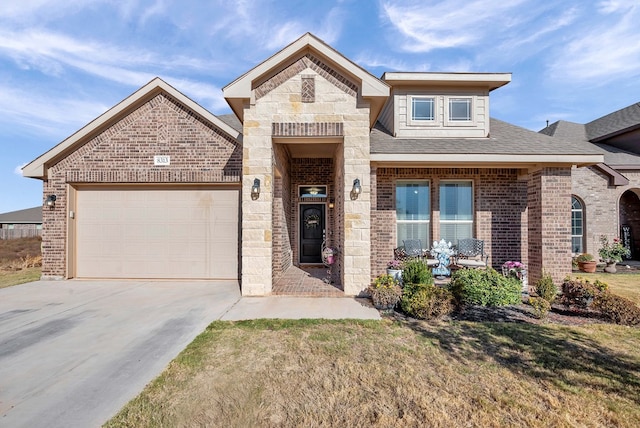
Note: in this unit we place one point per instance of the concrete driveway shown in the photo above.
(72, 353)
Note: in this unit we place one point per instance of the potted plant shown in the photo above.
(385, 292)
(394, 268)
(612, 253)
(586, 263)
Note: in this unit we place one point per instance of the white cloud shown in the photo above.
(18, 170)
(430, 25)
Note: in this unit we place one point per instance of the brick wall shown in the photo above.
(283, 224)
(549, 200)
(601, 204)
(123, 153)
(499, 202)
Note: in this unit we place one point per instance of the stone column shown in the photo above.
(257, 219)
(549, 225)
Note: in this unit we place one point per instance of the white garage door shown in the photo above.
(189, 233)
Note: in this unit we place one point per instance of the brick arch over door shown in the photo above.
(629, 209)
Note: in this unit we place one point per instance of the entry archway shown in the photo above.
(629, 209)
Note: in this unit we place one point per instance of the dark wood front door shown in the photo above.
(311, 231)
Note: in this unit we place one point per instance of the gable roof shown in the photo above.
(507, 145)
(566, 130)
(26, 216)
(38, 167)
(239, 91)
(618, 122)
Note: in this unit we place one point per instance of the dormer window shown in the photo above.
(423, 108)
(460, 109)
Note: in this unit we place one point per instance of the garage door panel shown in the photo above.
(157, 233)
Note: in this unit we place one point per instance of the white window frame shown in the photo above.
(457, 122)
(473, 205)
(582, 227)
(422, 122)
(430, 210)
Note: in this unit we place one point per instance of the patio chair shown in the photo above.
(413, 248)
(471, 253)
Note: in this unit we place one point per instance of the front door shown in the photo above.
(311, 231)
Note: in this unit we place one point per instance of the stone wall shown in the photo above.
(123, 153)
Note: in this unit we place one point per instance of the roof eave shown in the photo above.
(487, 160)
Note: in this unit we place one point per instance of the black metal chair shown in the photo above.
(413, 248)
(470, 253)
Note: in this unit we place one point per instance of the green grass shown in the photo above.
(384, 373)
(625, 285)
(7, 279)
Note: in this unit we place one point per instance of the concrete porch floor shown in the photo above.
(305, 281)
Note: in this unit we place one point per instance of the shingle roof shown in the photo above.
(232, 121)
(566, 130)
(504, 138)
(28, 216)
(614, 123)
(618, 158)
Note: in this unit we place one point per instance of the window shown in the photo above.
(577, 226)
(423, 108)
(413, 211)
(456, 210)
(460, 109)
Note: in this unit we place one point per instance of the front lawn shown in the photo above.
(396, 373)
(9, 278)
(20, 261)
(623, 284)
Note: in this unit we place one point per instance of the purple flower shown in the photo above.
(395, 265)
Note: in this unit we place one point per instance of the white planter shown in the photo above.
(397, 274)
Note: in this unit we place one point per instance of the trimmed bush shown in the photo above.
(546, 289)
(426, 301)
(485, 288)
(617, 309)
(416, 271)
(581, 293)
(385, 292)
(541, 306)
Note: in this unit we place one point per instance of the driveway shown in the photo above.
(72, 353)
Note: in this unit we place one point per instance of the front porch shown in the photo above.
(306, 281)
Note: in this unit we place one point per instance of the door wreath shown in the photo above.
(311, 221)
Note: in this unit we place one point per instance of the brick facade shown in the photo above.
(604, 207)
(499, 205)
(123, 153)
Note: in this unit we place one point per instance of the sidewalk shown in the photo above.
(287, 307)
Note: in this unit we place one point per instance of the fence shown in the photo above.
(19, 233)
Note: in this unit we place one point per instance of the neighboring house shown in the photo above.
(158, 187)
(21, 223)
(606, 196)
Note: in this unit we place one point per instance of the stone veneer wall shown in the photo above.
(601, 204)
(499, 203)
(123, 153)
(279, 100)
(549, 199)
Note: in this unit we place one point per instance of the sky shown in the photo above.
(64, 63)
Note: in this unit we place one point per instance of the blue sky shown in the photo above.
(63, 63)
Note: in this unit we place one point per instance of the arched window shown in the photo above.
(577, 226)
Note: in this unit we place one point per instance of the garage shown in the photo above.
(155, 232)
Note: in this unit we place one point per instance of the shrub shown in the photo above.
(617, 309)
(584, 257)
(385, 292)
(581, 293)
(426, 301)
(541, 306)
(485, 287)
(546, 289)
(416, 271)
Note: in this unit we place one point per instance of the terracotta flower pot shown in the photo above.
(588, 267)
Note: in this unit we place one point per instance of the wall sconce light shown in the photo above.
(255, 189)
(356, 190)
(50, 201)
(331, 203)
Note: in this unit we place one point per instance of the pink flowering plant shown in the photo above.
(394, 265)
(513, 268)
(612, 252)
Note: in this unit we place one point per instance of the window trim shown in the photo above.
(473, 205)
(421, 122)
(457, 122)
(582, 212)
(429, 212)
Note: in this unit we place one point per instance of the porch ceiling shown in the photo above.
(299, 149)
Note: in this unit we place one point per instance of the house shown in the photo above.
(21, 223)
(317, 150)
(606, 196)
